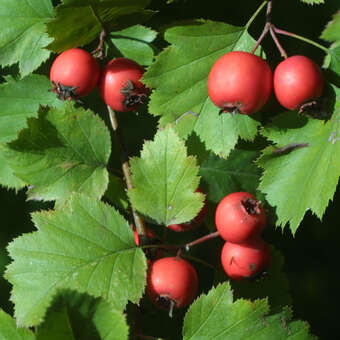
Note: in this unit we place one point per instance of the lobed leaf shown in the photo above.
(134, 43)
(216, 316)
(304, 178)
(75, 316)
(9, 330)
(332, 30)
(224, 176)
(19, 100)
(220, 132)
(332, 59)
(164, 180)
(62, 152)
(179, 77)
(79, 22)
(23, 36)
(86, 246)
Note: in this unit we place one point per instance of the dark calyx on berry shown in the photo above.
(252, 207)
(64, 92)
(133, 96)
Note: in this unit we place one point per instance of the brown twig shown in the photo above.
(201, 240)
(269, 27)
(139, 223)
(100, 47)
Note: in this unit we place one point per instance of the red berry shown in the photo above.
(120, 85)
(149, 234)
(297, 81)
(193, 223)
(172, 282)
(245, 260)
(74, 73)
(240, 80)
(239, 216)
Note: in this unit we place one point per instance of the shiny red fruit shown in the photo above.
(240, 81)
(297, 81)
(172, 282)
(245, 260)
(120, 85)
(193, 223)
(74, 73)
(239, 216)
(149, 234)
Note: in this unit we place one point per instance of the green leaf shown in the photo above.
(86, 246)
(332, 59)
(19, 100)
(23, 37)
(134, 43)
(9, 330)
(332, 30)
(62, 152)
(305, 178)
(164, 180)
(57, 325)
(216, 316)
(179, 76)
(79, 316)
(220, 132)
(116, 192)
(7, 177)
(224, 176)
(79, 22)
(313, 2)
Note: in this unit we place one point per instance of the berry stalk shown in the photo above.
(139, 223)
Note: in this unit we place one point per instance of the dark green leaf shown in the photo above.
(179, 78)
(306, 175)
(78, 316)
(23, 37)
(19, 100)
(62, 152)
(134, 43)
(9, 330)
(86, 246)
(224, 176)
(217, 317)
(80, 22)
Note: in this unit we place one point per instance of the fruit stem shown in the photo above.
(266, 27)
(269, 27)
(139, 223)
(260, 39)
(100, 47)
(250, 21)
(296, 36)
(277, 42)
(185, 246)
(201, 240)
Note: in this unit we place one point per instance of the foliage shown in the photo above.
(80, 275)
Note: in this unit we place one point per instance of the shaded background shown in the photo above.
(311, 257)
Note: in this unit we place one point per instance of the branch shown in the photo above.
(139, 223)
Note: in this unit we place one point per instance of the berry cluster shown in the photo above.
(243, 82)
(75, 73)
(240, 219)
